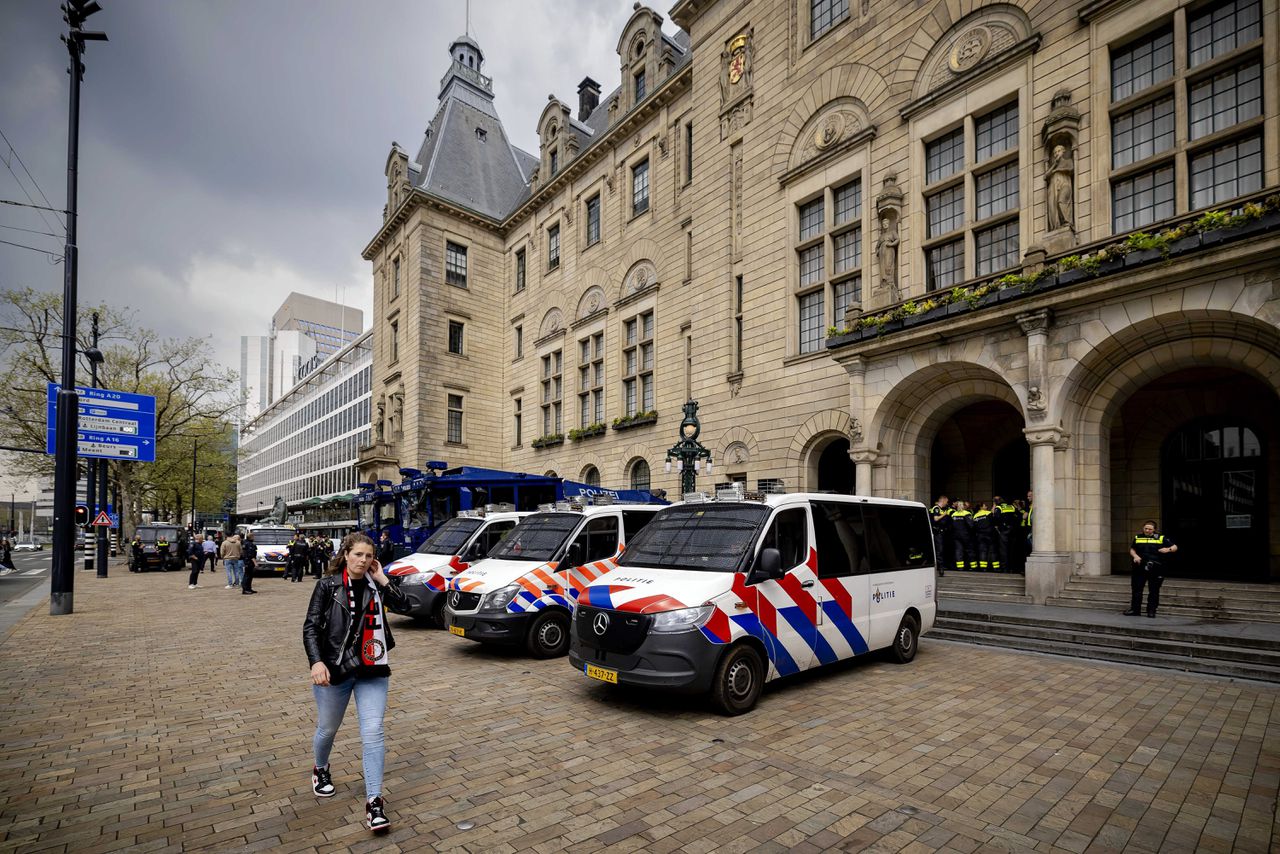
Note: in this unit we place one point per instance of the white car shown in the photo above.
(28, 547)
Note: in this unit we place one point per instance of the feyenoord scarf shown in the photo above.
(373, 637)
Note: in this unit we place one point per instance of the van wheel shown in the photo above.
(738, 681)
(906, 641)
(437, 613)
(549, 635)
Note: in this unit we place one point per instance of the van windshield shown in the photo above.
(150, 535)
(708, 537)
(272, 536)
(537, 537)
(450, 537)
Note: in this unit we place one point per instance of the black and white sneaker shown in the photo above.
(321, 782)
(375, 815)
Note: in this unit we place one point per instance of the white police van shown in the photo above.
(455, 545)
(720, 596)
(525, 591)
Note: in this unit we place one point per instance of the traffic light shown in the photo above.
(82, 514)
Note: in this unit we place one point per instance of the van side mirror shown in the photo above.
(573, 557)
(768, 566)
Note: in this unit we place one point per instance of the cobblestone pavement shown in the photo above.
(161, 718)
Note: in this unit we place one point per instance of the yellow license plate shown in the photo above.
(604, 675)
(458, 630)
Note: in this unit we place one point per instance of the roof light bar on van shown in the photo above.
(695, 497)
(731, 491)
(561, 506)
(500, 507)
(471, 514)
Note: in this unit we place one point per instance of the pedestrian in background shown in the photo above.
(195, 555)
(231, 561)
(1147, 551)
(210, 549)
(298, 557)
(249, 559)
(6, 556)
(348, 642)
(386, 549)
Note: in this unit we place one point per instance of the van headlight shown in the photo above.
(682, 620)
(499, 599)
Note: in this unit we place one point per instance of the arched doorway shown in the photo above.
(980, 452)
(835, 468)
(1194, 451)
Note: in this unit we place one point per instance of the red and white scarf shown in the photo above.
(373, 635)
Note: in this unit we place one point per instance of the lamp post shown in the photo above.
(94, 497)
(689, 453)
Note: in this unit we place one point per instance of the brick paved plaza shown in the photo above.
(158, 718)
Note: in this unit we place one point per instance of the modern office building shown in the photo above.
(304, 445)
(255, 376)
(890, 248)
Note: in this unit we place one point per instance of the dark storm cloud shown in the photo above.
(232, 151)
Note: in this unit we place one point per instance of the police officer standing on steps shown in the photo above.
(940, 517)
(1005, 519)
(984, 531)
(962, 536)
(1147, 551)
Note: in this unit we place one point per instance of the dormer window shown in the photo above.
(555, 161)
(640, 85)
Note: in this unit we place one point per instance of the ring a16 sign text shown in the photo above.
(113, 425)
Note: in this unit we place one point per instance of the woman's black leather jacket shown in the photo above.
(328, 624)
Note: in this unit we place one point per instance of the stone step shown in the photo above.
(1258, 614)
(1189, 646)
(985, 596)
(1188, 583)
(1178, 597)
(1103, 653)
(1110, 624)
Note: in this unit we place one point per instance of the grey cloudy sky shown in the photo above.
(232, 150)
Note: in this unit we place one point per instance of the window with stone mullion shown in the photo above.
(591, 380)
(638, 359)
(552, 391)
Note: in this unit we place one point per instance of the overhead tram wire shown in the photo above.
(31, 231)
(54, 255)
(34, 182)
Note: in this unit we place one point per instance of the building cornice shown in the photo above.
(421, 198)
(1095, 9)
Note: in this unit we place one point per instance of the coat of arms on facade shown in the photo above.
(736, 72)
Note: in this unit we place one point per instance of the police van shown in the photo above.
(458, 543)
(524, 591)
(721, 595)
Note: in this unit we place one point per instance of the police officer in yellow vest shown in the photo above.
(940, 517)
(162, 548)
(962, 536)
(984, 531)
(1005, 519)
(1147, 551)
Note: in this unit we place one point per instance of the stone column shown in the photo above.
(1048, 568)
(1035, 325)
(862, 462)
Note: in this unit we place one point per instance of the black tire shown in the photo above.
(549, 635)
(906, 641)
(738, 681)
(438, 617)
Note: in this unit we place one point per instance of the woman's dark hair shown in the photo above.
(349, 542)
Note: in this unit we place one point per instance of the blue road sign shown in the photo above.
(113, 425)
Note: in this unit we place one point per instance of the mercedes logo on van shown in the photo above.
(454, 598)
(600, 623)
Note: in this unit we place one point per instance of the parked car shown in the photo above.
(28, 546)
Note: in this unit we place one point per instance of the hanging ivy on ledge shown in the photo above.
(1135, 249)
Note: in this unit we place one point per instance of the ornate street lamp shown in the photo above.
(689, 453)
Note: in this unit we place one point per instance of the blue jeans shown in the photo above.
(235, 570)
(371, 705)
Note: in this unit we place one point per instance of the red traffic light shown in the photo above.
(82, 514)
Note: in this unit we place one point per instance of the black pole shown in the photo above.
(195, 444)
(91, 491)
(100, 560)
(62, 580)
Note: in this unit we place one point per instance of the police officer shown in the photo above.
(940, 517)
(1147, 550)
(962, 536)
(1005, 518)
(1026, 528)
(162, 548)
(984, 530)
(138, 554)
(298, 557)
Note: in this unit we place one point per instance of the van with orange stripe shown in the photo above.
(525, 591)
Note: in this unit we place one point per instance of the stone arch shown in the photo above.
(837, 121)
(910, 415)
(984, 33)
(591, 301)
(552, 321)
(640, 276)
(814, 435)
(734, 439)
(1116, 365)
(850, 84)
(584, 473)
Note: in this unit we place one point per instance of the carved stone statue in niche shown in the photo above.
(889, 212)
(1061, 194)
(380, 423)
(1059, 137)
(397, 413)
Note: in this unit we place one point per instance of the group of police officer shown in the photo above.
(308, 555)
(994, 537)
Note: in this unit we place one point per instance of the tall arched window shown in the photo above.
(640, 475)
(591, 476)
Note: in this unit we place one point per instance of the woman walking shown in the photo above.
(347, 640)
(6, 556)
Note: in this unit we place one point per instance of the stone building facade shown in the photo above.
(717, 226)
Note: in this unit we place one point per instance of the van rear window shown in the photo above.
(708, 537)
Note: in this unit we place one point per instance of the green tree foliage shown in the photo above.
(195, 400)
